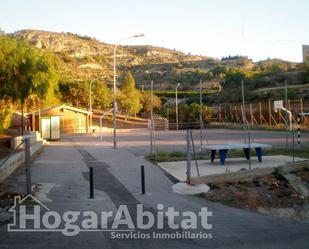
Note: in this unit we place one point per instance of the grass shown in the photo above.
(182, 156)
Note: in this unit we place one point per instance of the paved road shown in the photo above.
(138, 141)
(64, 167)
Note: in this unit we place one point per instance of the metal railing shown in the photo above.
(26, 142)
(11, 153)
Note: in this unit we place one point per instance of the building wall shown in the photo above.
(70, 121)
(305, 53)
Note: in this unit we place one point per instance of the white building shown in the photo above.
(305, 53)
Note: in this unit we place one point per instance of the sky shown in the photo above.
(259, 29)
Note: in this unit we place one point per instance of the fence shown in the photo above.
(261, 113)
(160, 123)
(258, 114)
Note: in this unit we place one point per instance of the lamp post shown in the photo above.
(245, 121)
(115, 83)
(151, 116)
(178, 84)
(201, 117)
(90, 99)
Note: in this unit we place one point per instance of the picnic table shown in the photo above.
(223, 149)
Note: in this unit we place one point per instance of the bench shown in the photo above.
(223, 149)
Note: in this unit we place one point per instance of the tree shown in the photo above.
(77, 94)
(102, 97)
(191, 114)
(146, 101)
(6, 107)
(130, 98)
(305, 72)
(25, 71)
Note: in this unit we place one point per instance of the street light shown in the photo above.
(114, 87)
(151, 116)
(178, 84)
(201, 117)
(90, 100)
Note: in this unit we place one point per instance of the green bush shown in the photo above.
(5, 115)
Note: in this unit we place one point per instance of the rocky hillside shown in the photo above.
(82, 57)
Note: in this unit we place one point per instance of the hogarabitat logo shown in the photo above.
(120, 224)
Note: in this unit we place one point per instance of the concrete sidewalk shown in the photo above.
(62, 172)
(206, 168)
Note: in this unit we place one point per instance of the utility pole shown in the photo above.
(188, 157)
(246, 125)
(176, 97)
(151, 117)
(115, 106)
(201, 117)
(286, 116)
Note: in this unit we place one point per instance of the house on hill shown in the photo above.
(305, 53)
(53, 121)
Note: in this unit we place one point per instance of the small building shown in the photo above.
(53, 121)
(305, 53)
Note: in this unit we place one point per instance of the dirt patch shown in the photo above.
(7, 196)
(269, 192)
(303, 174)
(265, 191)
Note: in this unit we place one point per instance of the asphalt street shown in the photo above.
(64, 167)
(139, 140)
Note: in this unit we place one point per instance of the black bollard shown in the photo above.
(27, 165)
(91, 182)
(143, 179)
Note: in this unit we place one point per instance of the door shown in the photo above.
(55, 127)
(45, 124)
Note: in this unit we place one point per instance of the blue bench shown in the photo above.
(223, 149)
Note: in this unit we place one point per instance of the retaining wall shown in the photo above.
(247, 174)
(18, 158)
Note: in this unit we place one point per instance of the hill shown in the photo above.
(81, 58)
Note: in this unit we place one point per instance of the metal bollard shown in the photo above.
(27, 165)
(91, 182)
(293, 145)
(298, 130)
(143, 179)
(188, 157)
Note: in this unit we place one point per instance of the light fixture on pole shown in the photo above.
(245, 121)
(90, 100)
(201, 117)
(151, 116)
(115, 85)
(178, 84)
